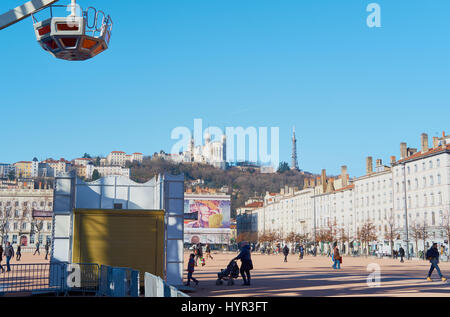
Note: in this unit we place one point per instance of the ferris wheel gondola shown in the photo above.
(79, 36)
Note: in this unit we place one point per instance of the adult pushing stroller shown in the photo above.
(230, 273)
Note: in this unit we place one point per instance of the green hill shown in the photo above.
(242, 184)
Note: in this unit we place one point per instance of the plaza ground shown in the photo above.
(313, 276)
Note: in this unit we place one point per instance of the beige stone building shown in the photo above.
(26, 215)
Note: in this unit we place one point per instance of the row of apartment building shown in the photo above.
(113, 164)
(411, 191)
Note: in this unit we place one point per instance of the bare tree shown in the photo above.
(392, 233)
(367, 234)
(4, 223)
(415, 233)
(36, 228)
(343, 237)
(446, 226)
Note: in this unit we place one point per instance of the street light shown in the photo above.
(406, 211)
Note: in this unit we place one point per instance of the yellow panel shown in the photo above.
(121, 238)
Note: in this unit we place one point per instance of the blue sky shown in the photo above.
(350, 90)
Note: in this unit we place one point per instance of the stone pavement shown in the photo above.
(313, 276)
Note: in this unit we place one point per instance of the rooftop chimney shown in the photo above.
(435, 142)
(344, 175)
(323, 180)
(403, 150)
(369, 165)
(393, 160)
(424, 142)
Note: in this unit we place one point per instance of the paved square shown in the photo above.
(313, 276)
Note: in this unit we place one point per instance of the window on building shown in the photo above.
(439, 179)
(24, 226)
(14, 239)
(431, 164)
(438, 162)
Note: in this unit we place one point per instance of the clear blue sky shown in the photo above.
(351, 91)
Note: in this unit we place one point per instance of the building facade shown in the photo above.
(399, 201)
(26, 215)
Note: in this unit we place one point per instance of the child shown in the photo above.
(190, 270)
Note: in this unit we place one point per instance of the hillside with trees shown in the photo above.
(241, 184)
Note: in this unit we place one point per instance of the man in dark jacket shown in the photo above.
(1, 258)
(285, 252)
(433, 257)
(246, 263)
(9, 253)
(401, 252)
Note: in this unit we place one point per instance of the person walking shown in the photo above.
(37, 249)
(47, 248)
(301, 251)
(208, 252)
(285, 252)
(9, 253)
(433, 257)
(1, 258)
(199, 254)
(246, 263)
(190, 269)
(401, 252)
(336, 259)
(18, 252)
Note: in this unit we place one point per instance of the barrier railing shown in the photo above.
(157, 287)
(118, 282)
(68, 278)
(32, 279)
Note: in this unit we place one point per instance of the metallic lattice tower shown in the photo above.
(294, 162)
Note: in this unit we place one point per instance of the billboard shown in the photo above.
(207, 214)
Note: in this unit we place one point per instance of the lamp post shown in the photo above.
(406, 211)
(314, 204)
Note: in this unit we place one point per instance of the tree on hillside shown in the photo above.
(242, 185)
(283, 167)
(97, 161)
(86, 155)
(95, 175)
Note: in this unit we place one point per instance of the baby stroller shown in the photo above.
(230, 273)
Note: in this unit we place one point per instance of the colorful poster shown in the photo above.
(207, 214)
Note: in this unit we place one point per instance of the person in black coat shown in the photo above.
(285, 252)
(433, 256)
(246, 263)
(401, 252)
(1, 259)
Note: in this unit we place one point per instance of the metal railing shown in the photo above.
(32, 279)
(118, 282)
(155, 286)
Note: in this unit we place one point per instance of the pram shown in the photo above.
(230, 273)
